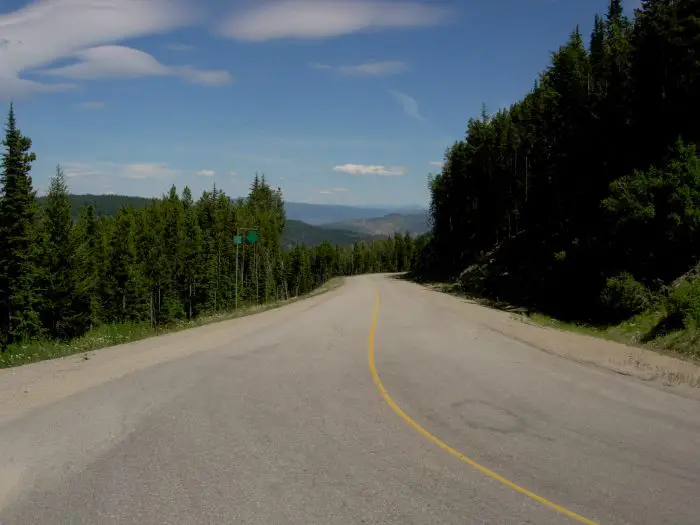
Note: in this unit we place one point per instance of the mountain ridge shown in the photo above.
(386, 225)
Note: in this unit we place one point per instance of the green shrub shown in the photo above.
(684, 301)
(624, 296)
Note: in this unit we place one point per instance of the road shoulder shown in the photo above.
(667, 372)
(30, 386)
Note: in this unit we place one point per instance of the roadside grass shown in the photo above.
(115, 334)
(633, 331)
(646, 330)
(642, 330)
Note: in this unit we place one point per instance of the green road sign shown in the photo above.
(252, 236)
(237, 239)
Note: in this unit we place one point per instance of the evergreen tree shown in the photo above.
(124, 288)
(191, 257)
(57, 260)
(88, 263)
(19, 272)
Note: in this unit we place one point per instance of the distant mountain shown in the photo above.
(298, 232)
(325, 214)
(314, 214)
(415, 224)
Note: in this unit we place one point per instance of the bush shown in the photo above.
(624, 296)
(684, 302)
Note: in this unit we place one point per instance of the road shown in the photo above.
(378, 402)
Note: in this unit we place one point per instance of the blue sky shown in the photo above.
(335, 101)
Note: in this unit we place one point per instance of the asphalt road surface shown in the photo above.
(378, 402)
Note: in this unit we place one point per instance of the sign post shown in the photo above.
(244, 236)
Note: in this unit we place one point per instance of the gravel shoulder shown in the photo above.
(668, 372)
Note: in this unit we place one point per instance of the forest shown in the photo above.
(582, 200)
(174, 259)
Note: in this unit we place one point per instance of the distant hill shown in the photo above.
(326, 214)
(414, 224)
(314, 214)
(298, 232)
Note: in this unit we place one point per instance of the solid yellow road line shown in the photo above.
(444, 446)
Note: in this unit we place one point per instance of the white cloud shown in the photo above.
(43, 31)
(13, 87)
(370, 169)
(211, 77)
(437, 163)
(109, 61)
(76, 170)
(410, 106)
(113, 170)
(232, 173)
(332, 191)
(313, 19)
(141, 171)
(206, 173)
(96, 104)
(387, 67)
(145, 179)
(125, 62)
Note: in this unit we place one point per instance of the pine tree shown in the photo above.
(57, 260)
(19, 272)
(88, 266)
(597, 52)
(192, 258)
(124, 288)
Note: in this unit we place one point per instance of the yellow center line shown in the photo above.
(444, 446)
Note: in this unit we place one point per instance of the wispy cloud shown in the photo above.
(232, 173)
(379, 68)
(437, 163)
(205, 173)
(370, 169)
(113, 170)
(315, 19)
(77, 170)
(156, 170)
(43, 31)
(125, 62)
(332, 191)
(409, 104)
(95, 104)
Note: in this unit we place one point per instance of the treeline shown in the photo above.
(103, 204)
(174, 259)
(583, 199)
